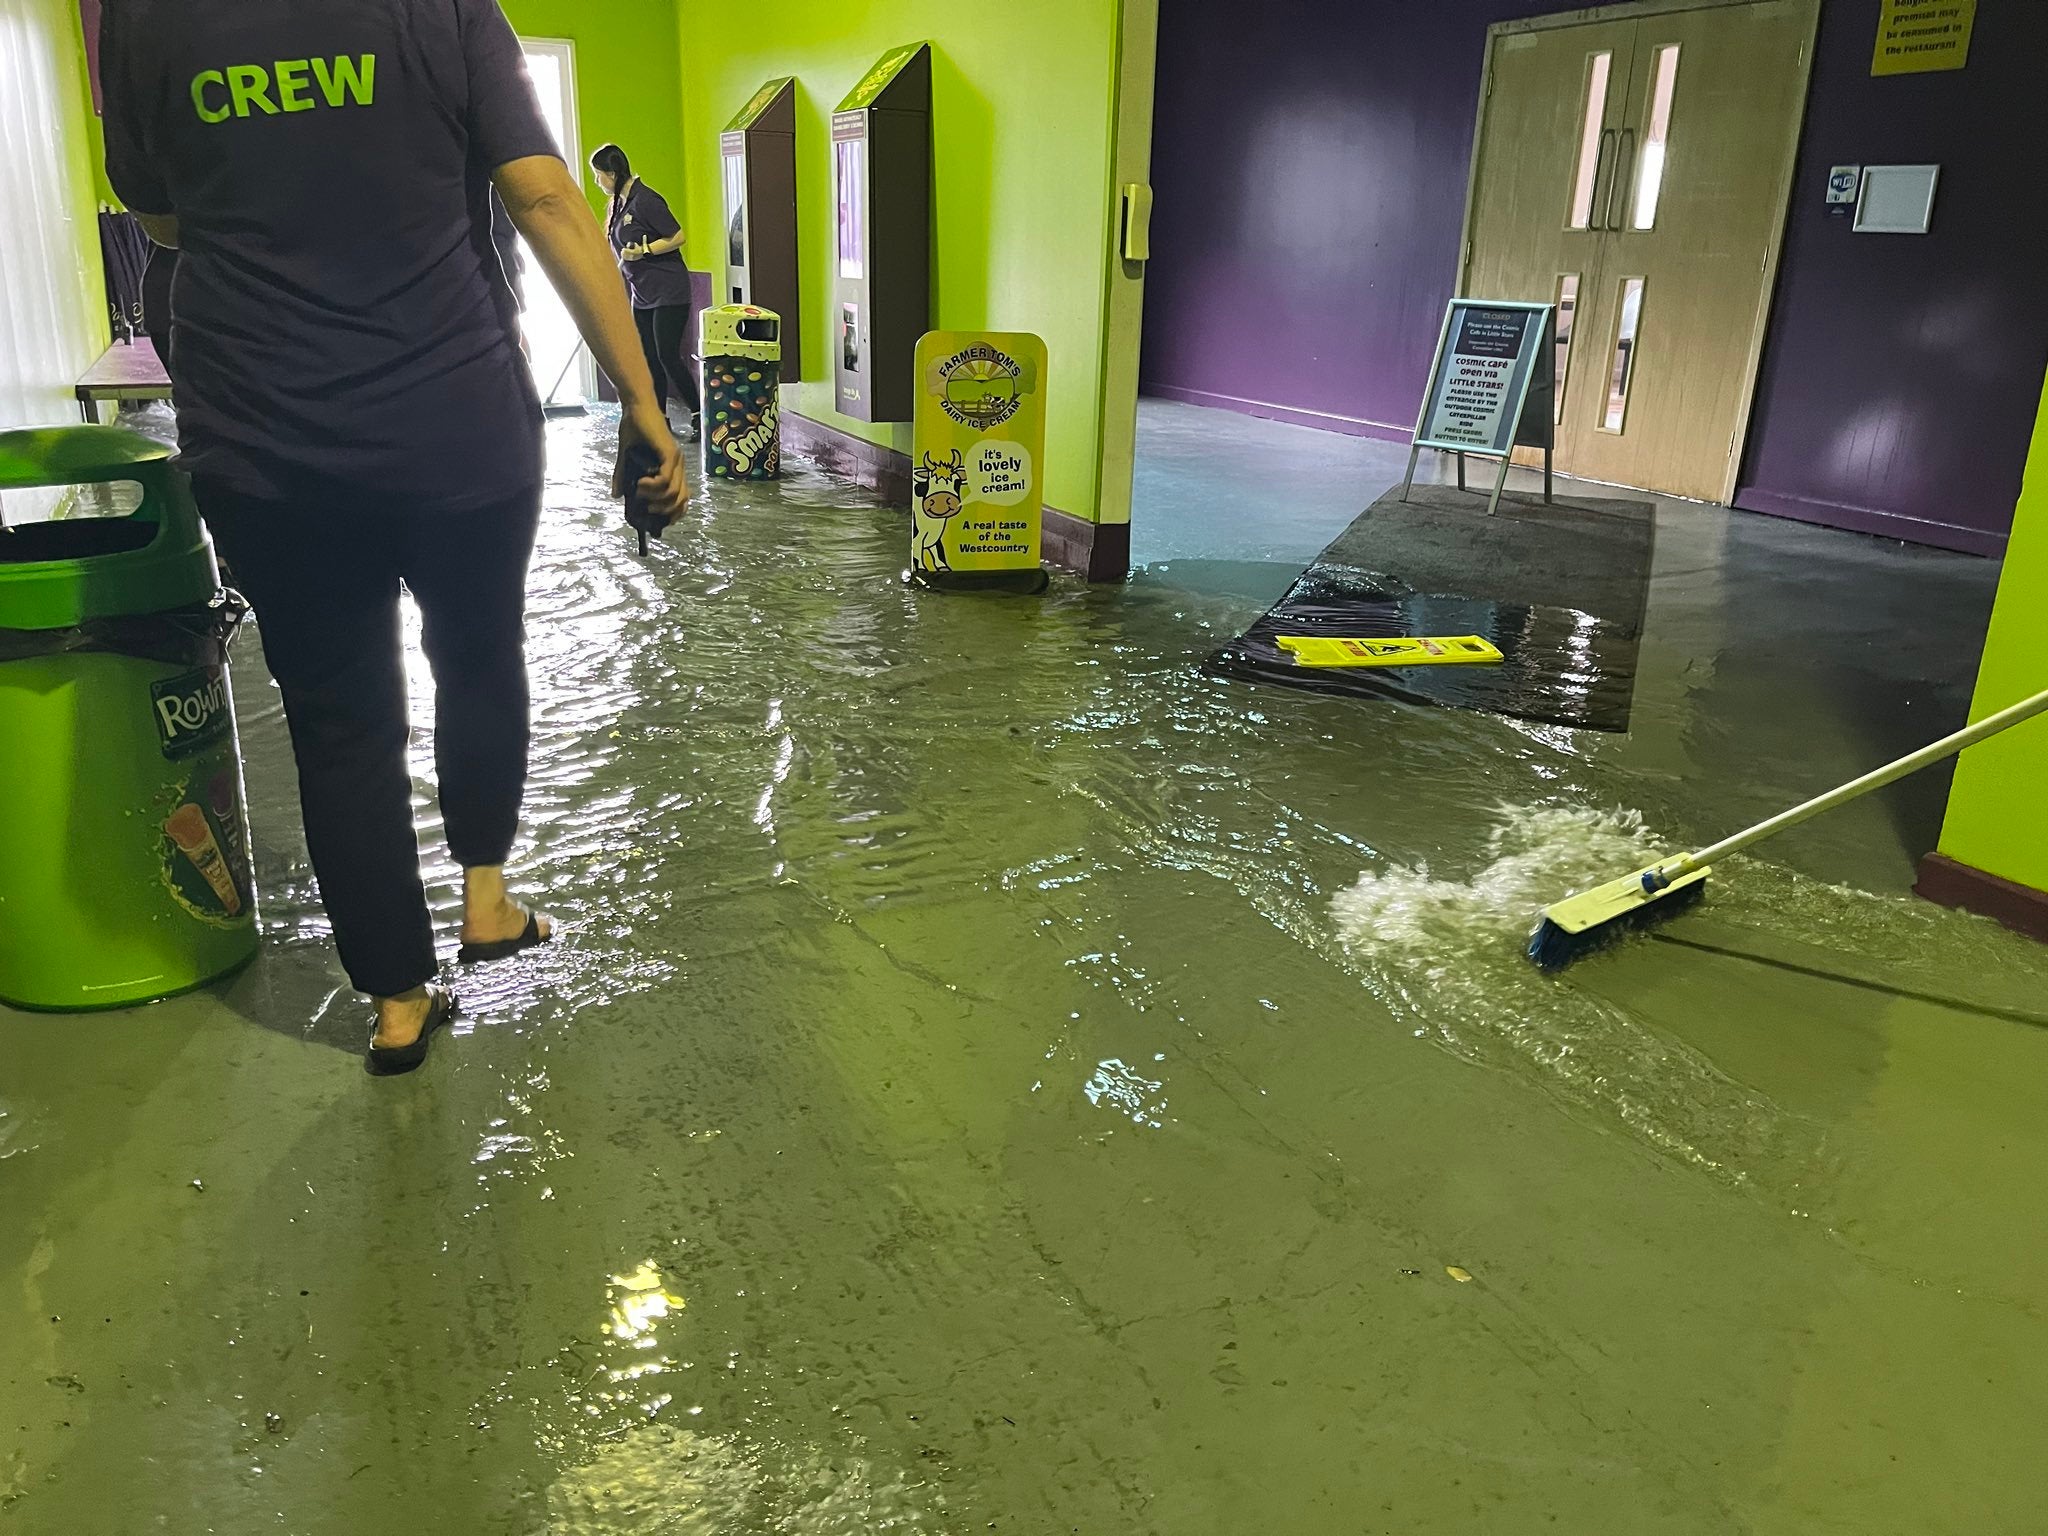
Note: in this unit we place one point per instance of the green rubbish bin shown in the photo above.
(741, 347)
(124, 846)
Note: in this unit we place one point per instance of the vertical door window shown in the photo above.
(1590, 141)
(1567, 312)
(555, 351)
(1650, 173)
(1622, 373)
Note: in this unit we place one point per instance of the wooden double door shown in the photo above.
(1633, 171)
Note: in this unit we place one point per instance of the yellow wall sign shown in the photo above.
(1915, 36)
(976, 461)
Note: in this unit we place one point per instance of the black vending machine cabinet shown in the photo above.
(757, 159)
(881, 287)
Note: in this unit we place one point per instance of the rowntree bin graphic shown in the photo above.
(124, 847)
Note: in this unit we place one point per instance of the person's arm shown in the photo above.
(656, 247)
(546, 207)
(654, 212)
(506, 130)
(131, 169)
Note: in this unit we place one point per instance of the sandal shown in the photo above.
(503, 949)
(395, 1060)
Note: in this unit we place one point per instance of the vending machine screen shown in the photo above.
(735, 168)
(851, 158)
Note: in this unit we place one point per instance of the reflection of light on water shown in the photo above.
(11, 1140)
(645, 1475)
(764, 809)
(1127, 1091)
(656, 1480)
(638, 1306)
(764, 812)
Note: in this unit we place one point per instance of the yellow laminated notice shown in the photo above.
(1321, 651)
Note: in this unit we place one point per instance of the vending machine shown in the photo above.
(757, 157)
(881, 287)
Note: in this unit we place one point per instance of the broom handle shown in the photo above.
(549, 397)
(1989, 726)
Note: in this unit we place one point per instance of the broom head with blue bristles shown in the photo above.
(1592, 920)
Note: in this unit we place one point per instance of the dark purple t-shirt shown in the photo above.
(341, 316)
(643, 215)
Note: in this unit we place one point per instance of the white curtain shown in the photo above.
(53, 320)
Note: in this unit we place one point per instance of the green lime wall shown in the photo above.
(96, 148)
(1022, 97)
(627, 91)
(1997, 813)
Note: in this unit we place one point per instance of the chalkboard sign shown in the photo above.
(1491, 387)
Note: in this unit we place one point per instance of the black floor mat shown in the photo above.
(1560, 589)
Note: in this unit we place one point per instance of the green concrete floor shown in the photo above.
(999, 1078)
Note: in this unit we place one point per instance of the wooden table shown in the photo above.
(128, 370)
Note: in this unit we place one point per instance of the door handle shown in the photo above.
(1593, 216)
(1137, 222)
(1627, 154)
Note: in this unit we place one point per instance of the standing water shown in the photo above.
(995, 1076)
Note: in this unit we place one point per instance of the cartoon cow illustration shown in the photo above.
(936, 487)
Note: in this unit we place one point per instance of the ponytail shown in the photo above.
(612, 160)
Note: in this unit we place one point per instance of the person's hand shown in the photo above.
(664, 491)
(634, 252)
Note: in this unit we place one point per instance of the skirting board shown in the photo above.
(1266, 410)
(1950, 883)
(880, 468)
(1094, 551)
(1884, 525)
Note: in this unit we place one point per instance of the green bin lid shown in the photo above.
(741, 330)
(64, 573)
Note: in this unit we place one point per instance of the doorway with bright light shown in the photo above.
(561, 367)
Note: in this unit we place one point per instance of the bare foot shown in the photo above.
(400, 1019)
(489, 914)
(506, 920)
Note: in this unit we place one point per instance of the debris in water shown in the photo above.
(1462, 1276)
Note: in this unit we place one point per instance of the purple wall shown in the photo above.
(1308, 164)
(1310, 170)
(1902, 373)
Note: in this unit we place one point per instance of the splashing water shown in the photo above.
(1535, 854)
(1446, 956)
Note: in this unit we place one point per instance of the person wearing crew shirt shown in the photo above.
(356, 416)
(649, 245)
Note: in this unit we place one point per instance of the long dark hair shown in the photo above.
(612, 160)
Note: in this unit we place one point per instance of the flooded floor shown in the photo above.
(998, 1078)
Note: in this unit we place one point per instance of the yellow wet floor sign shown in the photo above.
(1321, 651)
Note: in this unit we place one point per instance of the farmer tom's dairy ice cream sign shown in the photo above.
(976, 463)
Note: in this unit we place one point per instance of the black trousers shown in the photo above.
(665, 338)
(324, 578)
